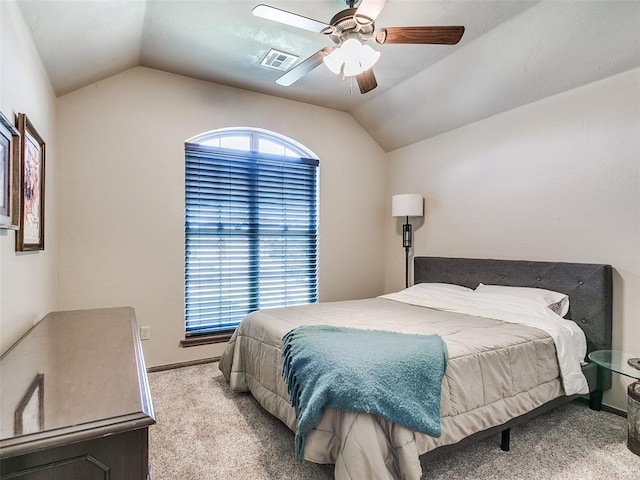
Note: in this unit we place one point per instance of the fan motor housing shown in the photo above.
(345, 21)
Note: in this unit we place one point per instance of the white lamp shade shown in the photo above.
(351, 58)
(407, 205)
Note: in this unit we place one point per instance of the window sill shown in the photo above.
(205, 340)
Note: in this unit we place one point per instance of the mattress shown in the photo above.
(496, 371)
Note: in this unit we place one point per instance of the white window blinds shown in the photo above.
(251, 235)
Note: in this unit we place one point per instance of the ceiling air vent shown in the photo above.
(278, 60)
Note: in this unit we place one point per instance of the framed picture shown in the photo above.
(30, 236)
(9, 175)
(29, 414)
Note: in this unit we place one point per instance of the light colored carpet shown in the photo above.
(205, 431)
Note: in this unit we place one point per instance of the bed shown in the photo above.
(498, 373)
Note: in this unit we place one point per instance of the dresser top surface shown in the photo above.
(72, 371)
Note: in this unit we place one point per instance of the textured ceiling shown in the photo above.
(512, 53)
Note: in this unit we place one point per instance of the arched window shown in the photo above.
(251, 227)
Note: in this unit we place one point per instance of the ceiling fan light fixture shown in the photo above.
(351, 58)
(349, 29)
(333, 61)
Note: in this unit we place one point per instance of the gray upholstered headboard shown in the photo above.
(589, 286)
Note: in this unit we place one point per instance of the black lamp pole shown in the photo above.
(406, 243)
(407, 205)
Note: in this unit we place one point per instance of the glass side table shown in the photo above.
(618, 361)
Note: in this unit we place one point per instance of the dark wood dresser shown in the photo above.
(74, 399)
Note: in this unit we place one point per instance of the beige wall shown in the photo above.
(555, 180)
(122, 195)
(28, 288)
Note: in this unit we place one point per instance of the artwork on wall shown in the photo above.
(9, 175)
(30, 236)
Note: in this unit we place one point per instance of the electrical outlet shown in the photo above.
(145, 333)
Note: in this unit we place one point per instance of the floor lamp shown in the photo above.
(407, 205)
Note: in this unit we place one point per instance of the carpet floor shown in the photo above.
(206, 432)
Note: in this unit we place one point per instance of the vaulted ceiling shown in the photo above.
(512, 53)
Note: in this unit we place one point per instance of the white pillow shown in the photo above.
(439, 287)
(556, 301)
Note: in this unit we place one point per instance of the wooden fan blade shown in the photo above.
(300, 70)
(366, 81)
(421, 35)
(368, 10)
(293, 19)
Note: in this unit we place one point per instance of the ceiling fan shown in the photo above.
(350, 29)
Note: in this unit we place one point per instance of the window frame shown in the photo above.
(292, 150)
(255, 135)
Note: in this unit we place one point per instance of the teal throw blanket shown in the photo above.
(394, 375)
